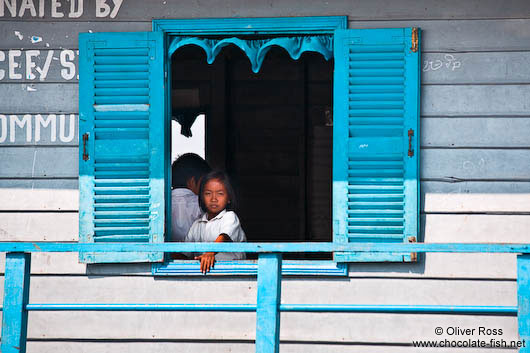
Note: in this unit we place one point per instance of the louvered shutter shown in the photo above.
(122, 154)
(375, 140)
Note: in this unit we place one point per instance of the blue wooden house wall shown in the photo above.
(475, 120)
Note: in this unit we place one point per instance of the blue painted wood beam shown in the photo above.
(404, 309)
(140, 307)
(16, 296)
(250, 268)
(268, 308)
(264, 25)
(352, 308)
(264, 247)
(523, 301)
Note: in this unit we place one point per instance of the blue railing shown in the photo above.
(17, 279)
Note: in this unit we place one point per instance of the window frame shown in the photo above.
(235, 26)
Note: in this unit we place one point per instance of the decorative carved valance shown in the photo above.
(257, 49)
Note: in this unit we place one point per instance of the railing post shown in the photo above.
(523, 300)
(16, 296)
(268, 305)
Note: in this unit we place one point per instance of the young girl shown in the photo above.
(219, 223)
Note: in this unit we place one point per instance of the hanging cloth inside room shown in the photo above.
(256, 49)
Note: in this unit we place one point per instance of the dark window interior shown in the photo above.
(271, 132)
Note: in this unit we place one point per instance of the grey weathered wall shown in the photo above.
(475, 181)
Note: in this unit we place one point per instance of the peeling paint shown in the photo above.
(19, 35)
(30, 89)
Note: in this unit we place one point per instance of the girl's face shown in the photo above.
(215, 197)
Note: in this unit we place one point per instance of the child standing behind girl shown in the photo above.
(219, 223)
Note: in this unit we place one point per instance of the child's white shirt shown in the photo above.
(184, 211)
(226, 222)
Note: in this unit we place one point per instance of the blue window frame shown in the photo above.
(376, 134)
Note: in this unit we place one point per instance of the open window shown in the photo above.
(332, 144)
(271, 130)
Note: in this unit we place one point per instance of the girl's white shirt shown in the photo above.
(226, 222)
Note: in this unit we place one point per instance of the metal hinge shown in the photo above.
(413, 255)
(414, 47)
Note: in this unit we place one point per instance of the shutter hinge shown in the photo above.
(413, 255)
(414, 47)
(411, 151)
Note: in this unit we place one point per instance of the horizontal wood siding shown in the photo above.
(358, 10)
(475, 181)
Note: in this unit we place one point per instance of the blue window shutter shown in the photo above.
(376, 107)
(122, 150)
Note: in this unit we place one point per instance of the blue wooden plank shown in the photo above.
(411, 136)
(523, 300)
(16, 296)
(269, 294)
(87, 145)
(320, 24)
(266, 247)
(340, 142)
(250, 268)
(350, 308)
(416, 309)
(141, 307)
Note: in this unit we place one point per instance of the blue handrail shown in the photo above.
(352, 308)
(264, 247)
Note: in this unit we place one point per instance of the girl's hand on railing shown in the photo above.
(207, 260)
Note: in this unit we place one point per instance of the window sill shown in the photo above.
(250, 268)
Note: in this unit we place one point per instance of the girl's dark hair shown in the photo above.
(223, 178)
(187, 166)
